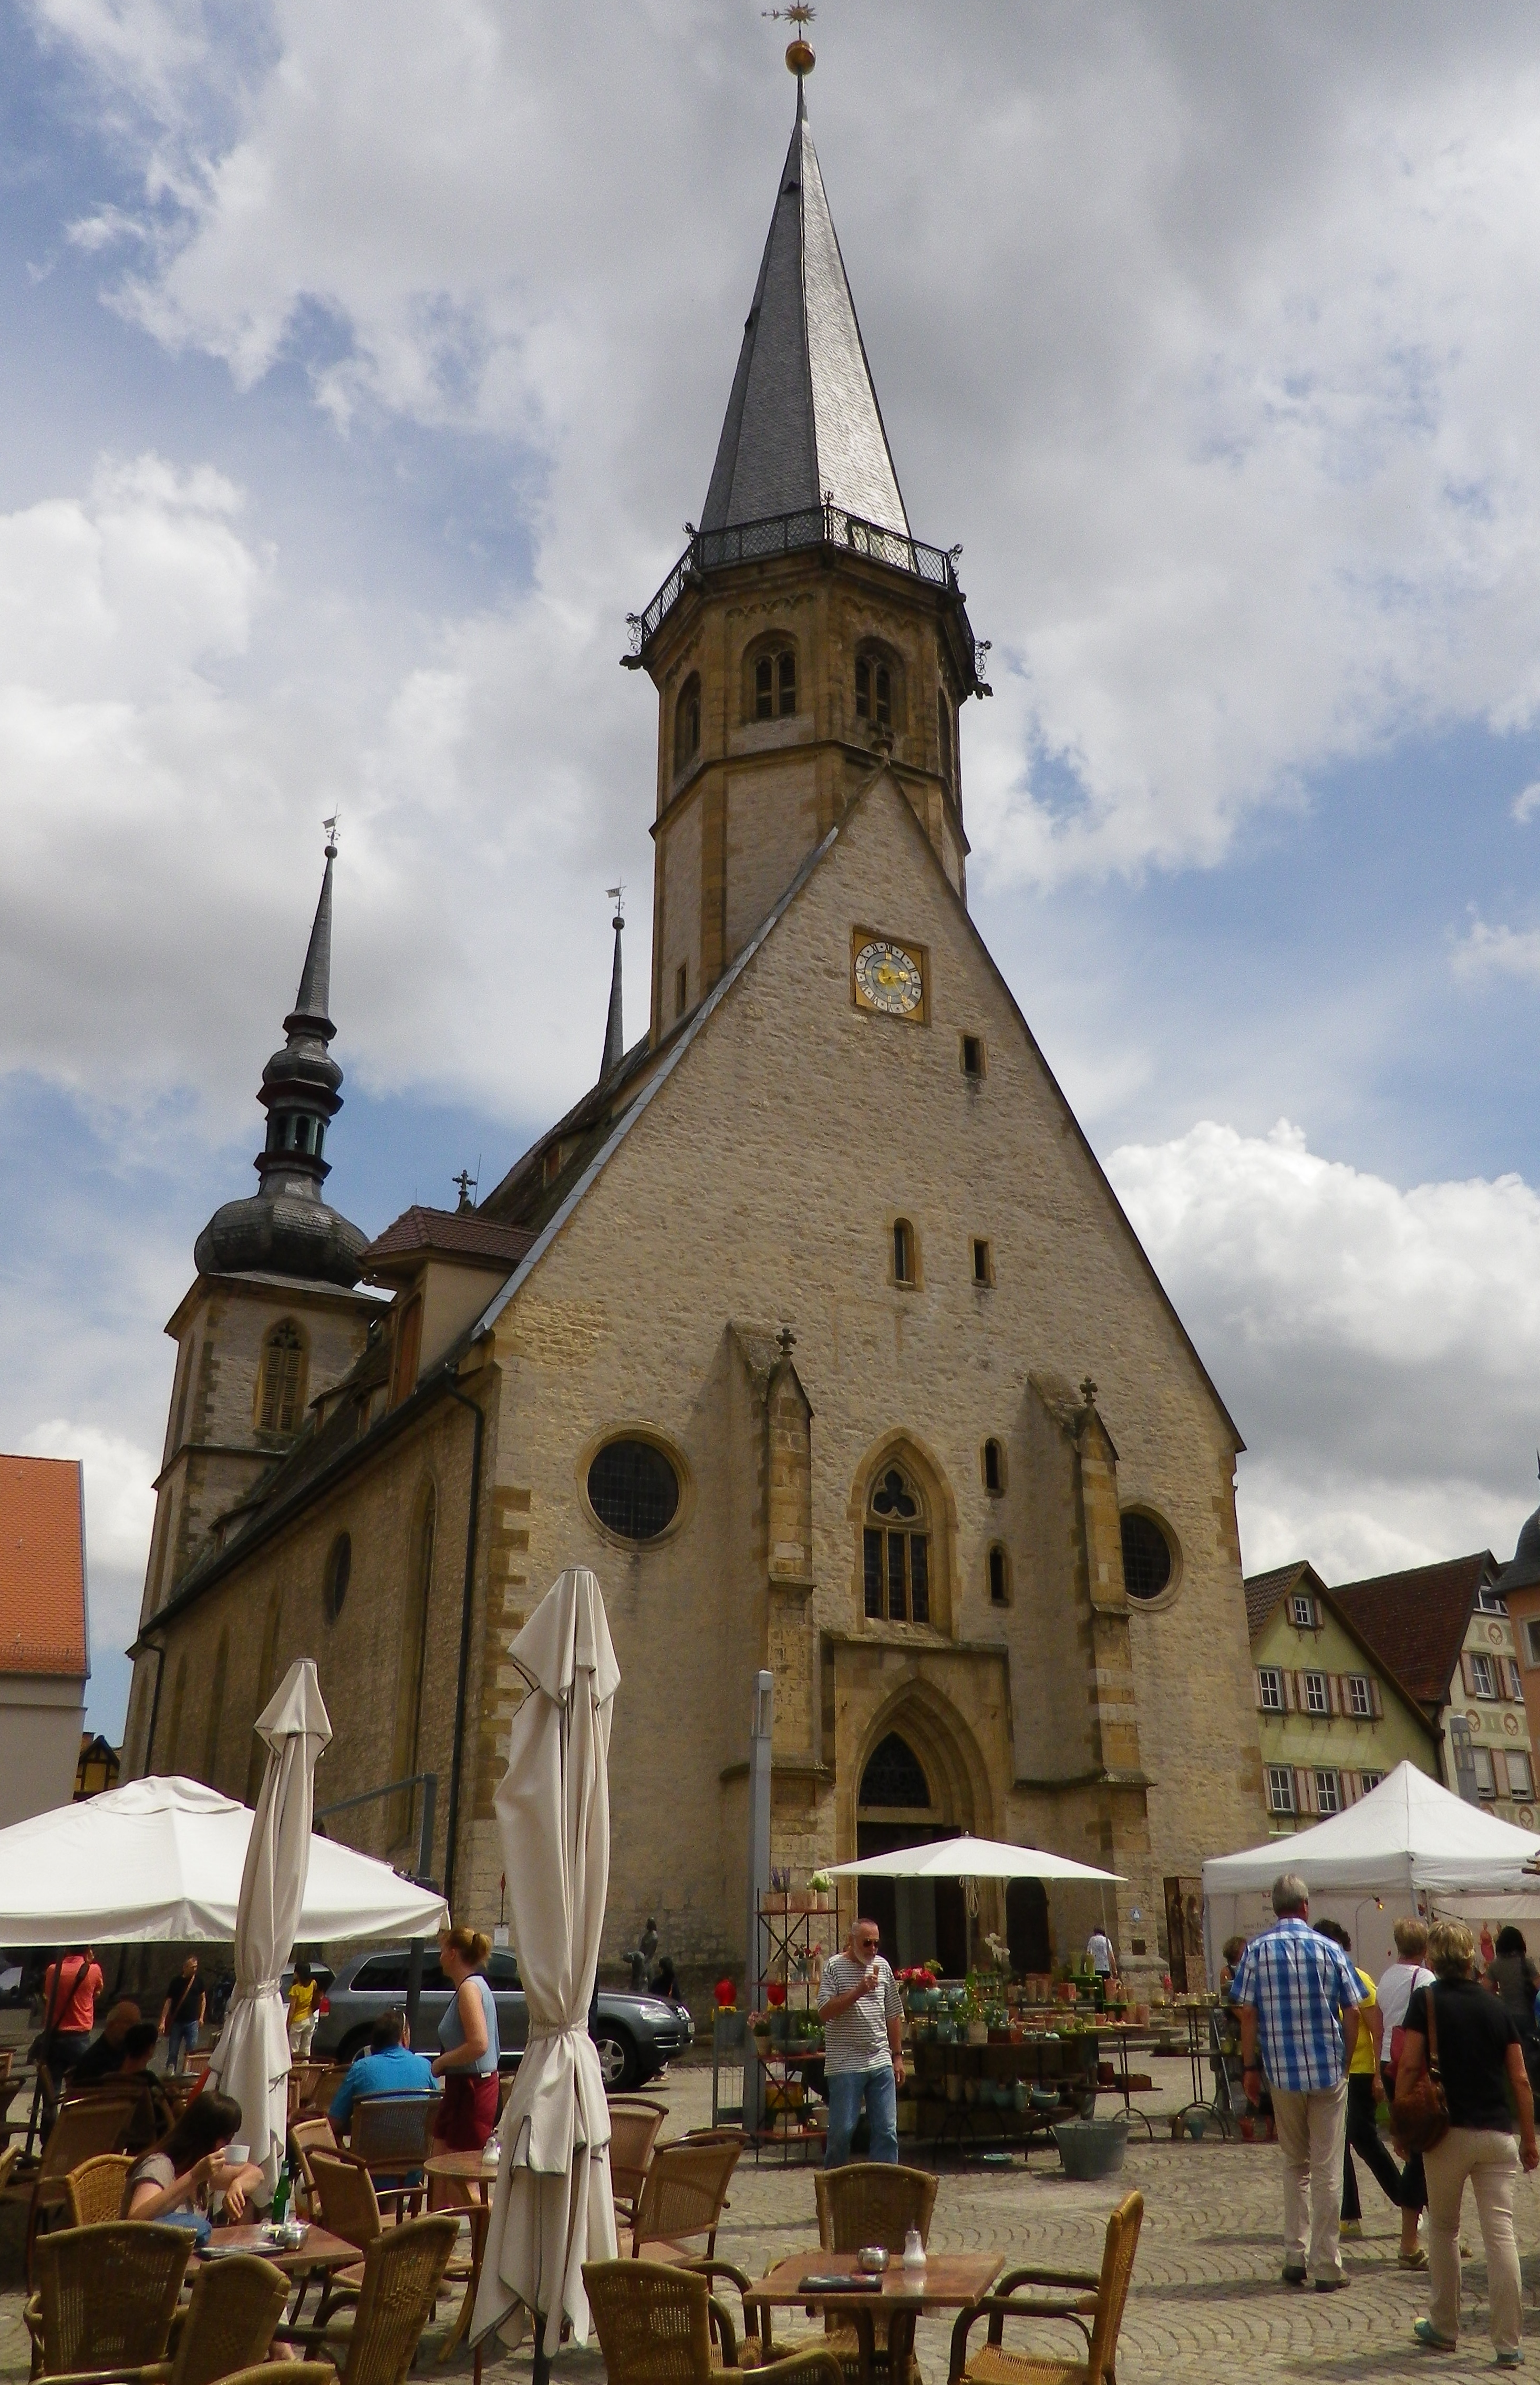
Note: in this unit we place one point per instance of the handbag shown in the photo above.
(1419, 2115)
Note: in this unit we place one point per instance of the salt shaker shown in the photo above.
(913, 2251)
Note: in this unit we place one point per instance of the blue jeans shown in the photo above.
(848, 2090)
(182, 2039)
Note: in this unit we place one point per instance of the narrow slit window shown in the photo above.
(903, 1251)
(972, 1056)
(999, 1590)
(681, 989)
(994, 1468)
(981, 1263)
(764, 689)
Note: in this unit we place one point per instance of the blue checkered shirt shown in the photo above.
(1298, 1983)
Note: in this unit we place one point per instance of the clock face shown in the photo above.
(888, 978)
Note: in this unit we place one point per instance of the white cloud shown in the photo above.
(1486, 951)
(1378, 1348)
(1218, 351)
(119, 1501)
(1527, 803)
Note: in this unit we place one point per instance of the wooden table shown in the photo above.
(468, 2169)
(952, 2281)
(320, 2250)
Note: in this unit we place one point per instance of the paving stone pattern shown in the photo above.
(1207, 2302)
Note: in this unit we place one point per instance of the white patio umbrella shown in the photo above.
(552, 2209)
(970, 1859)
(251, 2060)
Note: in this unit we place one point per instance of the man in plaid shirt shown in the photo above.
(1299, 2002)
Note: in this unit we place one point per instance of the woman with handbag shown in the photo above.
(1398, 1985)
(1460, 2061)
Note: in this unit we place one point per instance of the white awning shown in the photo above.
(971, 1858)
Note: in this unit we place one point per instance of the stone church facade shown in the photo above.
(814, 1328)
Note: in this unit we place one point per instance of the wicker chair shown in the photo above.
(870, 2203)
(400, 2282)
(105, 2297)
(684, 2193)
(655, 2324)
(237, 2302)
(93, 2190)
(310, 2136)
(84, 2126)
(634, 2126)
(1095, 2307)
(392, 2134)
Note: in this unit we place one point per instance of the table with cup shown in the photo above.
(858, 2287)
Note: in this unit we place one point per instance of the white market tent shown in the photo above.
(1408, 1842)
(970, 1859)
(164, 1858)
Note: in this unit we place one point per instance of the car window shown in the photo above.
(390, 1974)
(502, 1969)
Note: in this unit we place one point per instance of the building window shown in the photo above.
(1280, 1788)
(999, 1579)
(895, 1777)
(681, 989)
(1270, 1689)
(1318, 1698)
(972, 1056)
(633, 1490)
(874, 690)
(686, 722)
(1483, 1676)
(1328, 1792)
(1490, 1601)
(339, 1566)
(943, 732)
(1146, 1557)
(1532, 1641)
(994, 1468)
(280, 1387)
(983, 1265)
(776, 685)
(1367, 1781)
(1301, 1614)
(1519, 1781)
(1361, 1697)
(904, 1254)
(1485, 1771)
(896, 1552)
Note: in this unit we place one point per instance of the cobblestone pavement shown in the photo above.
(1207, 2300)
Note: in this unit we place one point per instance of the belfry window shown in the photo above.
(896, 1552)
(280, 1386)
(686, 722)
(874, 690)
(776, 685)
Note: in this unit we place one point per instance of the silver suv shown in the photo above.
(636, 2035)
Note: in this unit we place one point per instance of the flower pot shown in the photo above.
(1090, 2149)
(978, 2032)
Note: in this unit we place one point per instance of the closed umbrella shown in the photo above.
(552, 2209)
(251, 2060)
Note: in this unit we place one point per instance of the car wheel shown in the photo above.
(618, 2060)
(355, 2042)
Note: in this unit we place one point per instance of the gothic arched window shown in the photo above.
(896, 1551)
(894, 1775)
(280, 1384)
(686, 722)
(773, 683)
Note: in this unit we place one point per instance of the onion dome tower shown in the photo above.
(286, 1229)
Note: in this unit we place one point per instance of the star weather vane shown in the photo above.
(330, 828)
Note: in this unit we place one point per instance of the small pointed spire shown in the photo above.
(314, 994)
(615, 1028)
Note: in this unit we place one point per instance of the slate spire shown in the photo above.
(312, 1000)
(802, 422)
(614, 1027)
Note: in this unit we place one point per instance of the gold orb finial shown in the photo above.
(799, 58)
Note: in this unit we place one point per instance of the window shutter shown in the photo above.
(1257, 1686)
(1334, 1692)
(1512, 1681)
(1376, 1703)
(1350, 1789)
(1467, 1673)
(1304, 1788)
(1291, 1692)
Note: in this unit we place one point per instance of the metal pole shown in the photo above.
(761, 1719)
(425, 1838)
(414, 1990)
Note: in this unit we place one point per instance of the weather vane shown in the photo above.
(618, 896)
(799, 50)
(330, 828)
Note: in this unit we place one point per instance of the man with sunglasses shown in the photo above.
(858, 2004)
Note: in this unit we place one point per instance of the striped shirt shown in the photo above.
(1298, 1984)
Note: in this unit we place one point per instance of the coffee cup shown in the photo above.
(238, 2155)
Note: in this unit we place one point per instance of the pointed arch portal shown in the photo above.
(921, 1780)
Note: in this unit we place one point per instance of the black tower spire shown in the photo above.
(615, 1028)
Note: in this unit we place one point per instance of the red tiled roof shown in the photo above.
(451, 1233)
(1416, 1621)
(1264, 1590)
(42, 1566)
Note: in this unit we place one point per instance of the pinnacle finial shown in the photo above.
(1087, 1392)
(800, 59)
(615, 1028)
(787, 1340)
(467, 1185)
(330, 828)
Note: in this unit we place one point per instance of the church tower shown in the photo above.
(271, 1320)
(804, 635)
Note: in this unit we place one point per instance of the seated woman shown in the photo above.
(181, 2171)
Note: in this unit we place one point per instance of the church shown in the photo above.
(814, 1328)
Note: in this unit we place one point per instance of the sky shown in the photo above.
(364, 366)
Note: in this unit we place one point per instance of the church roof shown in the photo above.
(802, 422)
(448, 1234)
(1416, 1621)
(43, 1626)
